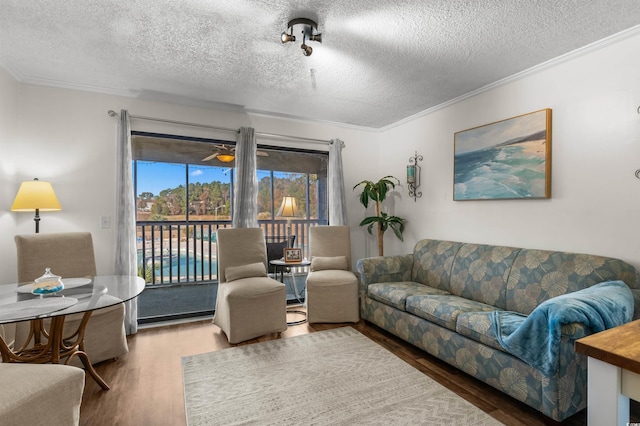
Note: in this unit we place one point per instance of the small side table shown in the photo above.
(281, 265)
(613, 373)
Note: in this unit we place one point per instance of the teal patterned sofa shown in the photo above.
(440, 299)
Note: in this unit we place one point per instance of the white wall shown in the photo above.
(595, 202)
(67, 138)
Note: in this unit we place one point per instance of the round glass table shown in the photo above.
(281, 266)
(51, 343)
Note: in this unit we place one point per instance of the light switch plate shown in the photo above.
(105, 222)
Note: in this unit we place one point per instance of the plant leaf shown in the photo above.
(364, 199)
(369, 228)
(382, 190)
(368, 220)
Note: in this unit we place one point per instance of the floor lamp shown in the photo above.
(36, 195)
(288, 209)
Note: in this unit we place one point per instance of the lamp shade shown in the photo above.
(289, 208)
(35, 195)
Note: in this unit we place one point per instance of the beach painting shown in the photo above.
(508, 159)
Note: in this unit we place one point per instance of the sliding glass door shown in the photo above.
(184, 190)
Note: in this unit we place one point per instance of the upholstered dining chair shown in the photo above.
(70, 255)
(249, 303)
(332, 288)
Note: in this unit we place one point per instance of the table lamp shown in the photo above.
(36, 195)
(288, 209)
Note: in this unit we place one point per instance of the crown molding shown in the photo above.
(13, 72)
(574, 54)
(304, 120)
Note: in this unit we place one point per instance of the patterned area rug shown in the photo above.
(334, 377)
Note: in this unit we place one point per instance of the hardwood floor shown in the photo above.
(146, 383)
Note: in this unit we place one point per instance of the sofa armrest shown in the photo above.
(574, 331)
(384, 269)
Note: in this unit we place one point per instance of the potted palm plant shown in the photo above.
(377, 192)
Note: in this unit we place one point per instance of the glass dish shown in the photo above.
(47, 283)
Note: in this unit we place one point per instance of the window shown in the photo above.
(183, 195)
(298, 174)
(178, 192)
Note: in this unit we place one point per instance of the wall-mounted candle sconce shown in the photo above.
(413, 176)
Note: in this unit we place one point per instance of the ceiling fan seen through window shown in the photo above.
(226, 154)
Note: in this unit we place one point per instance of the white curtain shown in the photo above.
(126, 255)
(337, 196)
(245, 197)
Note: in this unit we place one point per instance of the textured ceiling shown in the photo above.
(380, 61)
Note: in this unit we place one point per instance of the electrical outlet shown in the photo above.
(105, 222)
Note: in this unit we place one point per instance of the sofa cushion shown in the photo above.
(444, 309)
(539, 275)
(480, 273)
(477, 326)
(395, 293)
(432, 261)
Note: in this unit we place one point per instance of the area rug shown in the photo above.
(334, 377)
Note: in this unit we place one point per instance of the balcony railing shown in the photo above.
(178, 252)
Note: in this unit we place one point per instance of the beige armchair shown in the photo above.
(249, 303)
(71, 255)
(332, 288)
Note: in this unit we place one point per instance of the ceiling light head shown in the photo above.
(286, 38)
(316, 37)
(309, 30)
(306, 50)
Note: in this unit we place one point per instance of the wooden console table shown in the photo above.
(614, 373)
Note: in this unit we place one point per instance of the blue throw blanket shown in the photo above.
(536, 338)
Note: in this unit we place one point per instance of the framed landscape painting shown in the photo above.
(505, 160)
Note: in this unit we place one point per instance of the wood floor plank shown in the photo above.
(146, 383)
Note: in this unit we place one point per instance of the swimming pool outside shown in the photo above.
(179, 267)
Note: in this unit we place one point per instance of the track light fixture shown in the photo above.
(309, 30)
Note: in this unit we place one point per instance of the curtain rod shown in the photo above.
(295, 138)
(112, 113)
